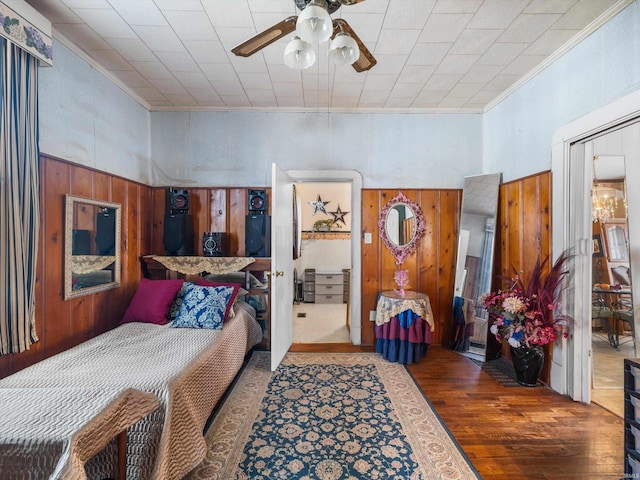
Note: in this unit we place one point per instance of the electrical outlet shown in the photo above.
(372, 315)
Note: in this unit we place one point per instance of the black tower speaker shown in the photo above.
(106, 231)
(178, 234)
(257, 235)
(257, 202)
(177, 200)
(214, 244)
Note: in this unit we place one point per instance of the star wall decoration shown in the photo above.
(319, 206)
(338, 215)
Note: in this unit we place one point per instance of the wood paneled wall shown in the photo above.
(63, 324)
(524, 227)
(523, 235)
(431, 267)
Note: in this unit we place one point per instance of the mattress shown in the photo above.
(187, 370)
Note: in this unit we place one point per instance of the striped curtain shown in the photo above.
(19, 197)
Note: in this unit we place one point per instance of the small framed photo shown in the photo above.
(597, 246)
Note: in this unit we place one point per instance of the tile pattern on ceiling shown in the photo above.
(450, 55)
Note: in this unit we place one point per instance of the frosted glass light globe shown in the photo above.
(343, 50)
(314, 24)
(299, 54)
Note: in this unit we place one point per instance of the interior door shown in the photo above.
(281, 264)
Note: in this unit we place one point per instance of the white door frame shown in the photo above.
(567, 373)
(353, 177)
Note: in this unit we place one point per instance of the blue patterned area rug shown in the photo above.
(329, 416)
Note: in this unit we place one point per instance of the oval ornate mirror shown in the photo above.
(401, 225)
(92, 246)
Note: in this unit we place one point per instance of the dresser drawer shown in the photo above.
(329, 298)
(329, 278)
(322, 289)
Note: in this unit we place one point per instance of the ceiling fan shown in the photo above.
(340, 27)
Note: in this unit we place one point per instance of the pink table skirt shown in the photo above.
(404, 338)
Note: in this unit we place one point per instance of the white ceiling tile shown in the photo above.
(465, 90)
(259, 81)
(171, 5)
(219, 72)
(182, 100)
(262, 95)
(379, 82)
(481, 73)
(288, 89)
(452, 102)
(203, 95)
(370, 6)
(497, 13)
(153, 70)
(132, 78)
(549, 42)
(231, 37)
(428, 53)
(522, 64)
(444, 27)
(399, 102)
(192, 79)
(132, 49)
(228, 14)
(457, 6)
(373, 98)
(367, 26)
(150, 94)
(396, 41)
(159, 38)
(527, 28)
(456, 64)
(253, 64)
(290, 101)
(418, 74)
(347, 89)
(387, 64)
(236, 101)
(140, 12)
(206, 51)
(229, 89)
(474, 41)
(484, 96)
(405, 90)
(192, 26)
(582, 13)
(501, 53)
(169, 86)
(266, 5)
(428, 98)
(178, 61)
(107, 23)
(549, 6)
(86, 3)
(442, 82)
(409, 14)
(501, 82)
(55, 11)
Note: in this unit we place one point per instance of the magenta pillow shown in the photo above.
(232, 298)
(152, 300)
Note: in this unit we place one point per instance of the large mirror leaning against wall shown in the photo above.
(92, 246)
(401, 225)
(474, 264)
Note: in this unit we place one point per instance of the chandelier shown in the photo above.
(314, 26)
(604, 202)
(608, 189)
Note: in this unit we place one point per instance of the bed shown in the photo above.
(186, 369)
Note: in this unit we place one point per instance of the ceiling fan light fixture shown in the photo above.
(314, 24)
(343, 50)
(299, 54)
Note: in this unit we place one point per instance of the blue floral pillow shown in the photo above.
(177, 302)
(203, 307)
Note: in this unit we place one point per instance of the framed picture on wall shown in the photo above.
(597, 246)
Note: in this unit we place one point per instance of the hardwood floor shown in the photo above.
(514, 432)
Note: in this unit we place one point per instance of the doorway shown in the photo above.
(354, 180)
(572, 364)
(323, 265)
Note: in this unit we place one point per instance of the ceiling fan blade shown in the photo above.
(366, 60)
(267, 37)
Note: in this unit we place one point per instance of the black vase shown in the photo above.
(527, 362)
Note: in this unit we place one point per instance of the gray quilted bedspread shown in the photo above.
(53, 412)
